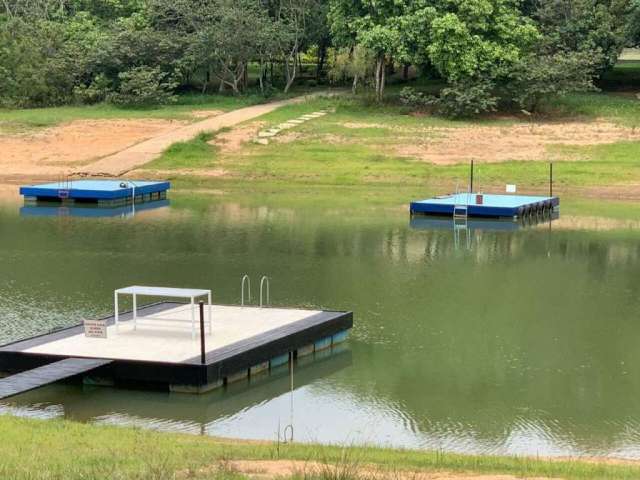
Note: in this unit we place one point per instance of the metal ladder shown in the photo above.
(460, 221)
(264, 290)
(248, 280)
(461, 210)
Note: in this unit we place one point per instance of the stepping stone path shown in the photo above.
(264, 135)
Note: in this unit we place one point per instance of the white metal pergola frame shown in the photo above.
(189, 293)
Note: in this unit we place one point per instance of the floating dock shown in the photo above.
(485, 205)
(158, 350)
(105, 193)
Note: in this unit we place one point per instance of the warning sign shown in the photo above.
(95, 328)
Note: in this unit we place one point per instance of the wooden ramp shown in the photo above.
(53, 372)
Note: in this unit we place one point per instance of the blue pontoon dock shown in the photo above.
(485, 205)
(103, 192)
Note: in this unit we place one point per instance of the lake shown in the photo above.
(492, 340)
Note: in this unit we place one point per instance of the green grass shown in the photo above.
(60, 449)
(23, 119)
(356, 145)
(196, 153)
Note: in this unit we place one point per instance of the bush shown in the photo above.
(413, 99)
(466, 99)
(143, 86)
(98, 91)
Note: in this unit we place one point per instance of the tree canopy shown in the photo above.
(485, 52)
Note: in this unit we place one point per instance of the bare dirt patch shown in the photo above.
(56, 150)
(274, 469)
(233, 140)
(511, 142)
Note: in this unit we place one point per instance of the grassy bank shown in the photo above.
(363, 144)
(57, 449)
(186, 107)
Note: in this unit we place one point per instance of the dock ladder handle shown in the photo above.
(245, 277)
(262, 283)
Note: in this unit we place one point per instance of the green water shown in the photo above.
(520, 342)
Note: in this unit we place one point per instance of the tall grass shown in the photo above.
(61, 449)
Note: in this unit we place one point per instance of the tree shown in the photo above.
(371, 24)
(596, 28)
(355, 63)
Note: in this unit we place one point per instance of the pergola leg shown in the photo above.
(115, 307)
(210, 320)
(135, 311)
(193, 320)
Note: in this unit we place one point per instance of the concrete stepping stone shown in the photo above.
(296, 122)
(267, 133)
(261, 141)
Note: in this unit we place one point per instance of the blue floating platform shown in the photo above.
(106, 192)
(485, 205)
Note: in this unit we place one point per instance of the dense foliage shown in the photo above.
(143, 52)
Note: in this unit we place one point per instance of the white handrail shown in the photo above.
(262, 280)
(245, 277)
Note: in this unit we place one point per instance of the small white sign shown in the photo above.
(95, 328)
(511, 188)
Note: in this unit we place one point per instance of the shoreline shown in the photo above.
(125, 452)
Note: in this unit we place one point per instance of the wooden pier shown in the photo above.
(53, 372)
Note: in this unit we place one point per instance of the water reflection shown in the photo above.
(525, 343)
(55, 209)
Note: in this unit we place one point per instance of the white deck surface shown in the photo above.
(170, 340)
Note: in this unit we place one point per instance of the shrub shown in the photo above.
(466, 99)
(143, 86)
(98, 91)
(413, 99)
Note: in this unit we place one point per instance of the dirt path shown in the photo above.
(130, 158)
(274, 469)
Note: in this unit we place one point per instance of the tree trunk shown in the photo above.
(290, 74)
(207, 79)
(245, 78)
(405, 72)
(322, 57)
(354, 85)
(380, 76)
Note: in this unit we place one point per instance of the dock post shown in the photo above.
(202, 349)
(551, 179)
(471, 178)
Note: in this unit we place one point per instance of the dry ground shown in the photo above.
(488, 144)
(115, 147)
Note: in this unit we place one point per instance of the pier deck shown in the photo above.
(485, 205)
(111, 193)
(41, 376)
(161, 349)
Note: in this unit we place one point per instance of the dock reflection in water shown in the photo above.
(198, 414)
(55, 209)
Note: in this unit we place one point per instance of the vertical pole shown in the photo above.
(115, 308)
(551, 179)
(210, 319)
(135, 311)
(193, 320)
(471, 178)
(202, 350)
